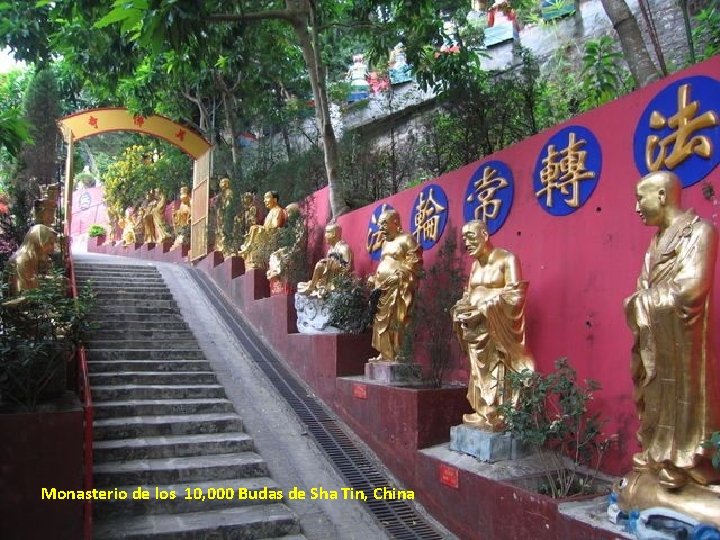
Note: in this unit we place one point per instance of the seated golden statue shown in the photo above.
(260, 239)
(337, 262)
(490, 325)
(128, 224)
(674, 367)
(32, 259)
(222, 205)
(148, 219)
(285, 261)
(394, 284)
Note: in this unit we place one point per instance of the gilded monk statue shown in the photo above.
(394, 283)
(337, 262)
(32, 259)
(257, 245)
(222, 205)
(490, 324)
(674, 368)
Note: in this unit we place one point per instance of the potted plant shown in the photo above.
(551, 416)
(38, 336)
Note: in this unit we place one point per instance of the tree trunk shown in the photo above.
(636, 54)
(311, 53)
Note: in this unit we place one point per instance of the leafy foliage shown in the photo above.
(603, 78)
(430, 331)
(130, 177)
(37, 337)
(707, 31)
(96, 230)
(348, 305)
(552, 413)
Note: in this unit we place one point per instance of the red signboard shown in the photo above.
(360, 391)
(449, 476)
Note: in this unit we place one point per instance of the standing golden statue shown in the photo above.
(222, 205)
(490, 324)
(181, 217)
(158, 213)
(148, 219)
(394, 283)
(337, 262)
(674, 368)
(32, 259)
(128, 224)
(260, 239)
(44, 209)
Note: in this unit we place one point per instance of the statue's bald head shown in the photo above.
(666, 183)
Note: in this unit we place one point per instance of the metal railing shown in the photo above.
(83, 384)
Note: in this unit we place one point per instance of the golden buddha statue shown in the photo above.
(259, 240)
(674, 368)
(222, 205)
(128, 224)
(490, 325)
(284, 260)
(148, 219)
(158, 213)
(337, 262)
(181, 217)
(32, 259)
(114, 218)
(394, 283)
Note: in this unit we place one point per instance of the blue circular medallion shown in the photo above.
(429, 216)
(567, 170)
(85, 200)
(679, 130)
(489, 195)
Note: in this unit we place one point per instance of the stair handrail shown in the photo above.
(84, 388)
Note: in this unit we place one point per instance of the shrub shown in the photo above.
(552, 414)
(38, 334)
(96, 230)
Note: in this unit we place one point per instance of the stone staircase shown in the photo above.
(163, 423)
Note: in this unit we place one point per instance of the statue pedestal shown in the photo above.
(313, 315)
(167, 244)
(393, 372)
(486, 445)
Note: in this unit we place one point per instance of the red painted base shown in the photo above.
(396, 421)
(41, 450)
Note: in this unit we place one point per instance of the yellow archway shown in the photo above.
(91, 122)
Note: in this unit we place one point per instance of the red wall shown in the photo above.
(96, 213)
(580, 267)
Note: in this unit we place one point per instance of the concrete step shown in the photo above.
(116, 366)
(145, 391)
(125, 302)
(154, 407)
(152, 295)
(140, 333)
(175, 470)
(166, 378)
(142, 323)
(83, 275)
(215, 495)
(106, 309)
(131, 320)
(146, 344)
(99, 353)
(79, 265)
(127, 427)
(115, 283)
(202, 444)
(242, 523)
